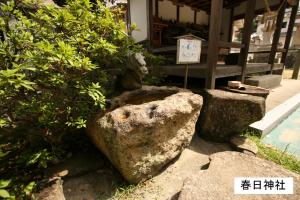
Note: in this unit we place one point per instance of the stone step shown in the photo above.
(264, 81)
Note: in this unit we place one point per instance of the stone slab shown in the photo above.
(264, 81)
(217, 182)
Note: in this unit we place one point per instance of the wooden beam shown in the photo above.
(276, 35)
(289, 33)
(231, 45)
(267, 51)
(213, 42)
(248, 22)
(257, 12)
(233, 4)
(178, 3)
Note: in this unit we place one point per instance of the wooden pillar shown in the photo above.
(177, 14)
(195, 16)
(128, 18)
(289, 33)
(276, 35)
(296, 68)
(248, 22)
(213, 42)
(156, 8)
(231, 24)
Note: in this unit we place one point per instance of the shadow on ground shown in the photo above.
(204, 147)
(88, 174)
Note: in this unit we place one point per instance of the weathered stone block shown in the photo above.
(225, 114)
(146, 129)
(265, 81)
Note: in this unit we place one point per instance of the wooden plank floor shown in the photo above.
(200, 70)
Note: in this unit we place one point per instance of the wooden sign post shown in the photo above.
(188, 52)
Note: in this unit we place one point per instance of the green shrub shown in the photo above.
(53, 64)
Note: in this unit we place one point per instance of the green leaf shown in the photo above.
(27, 84)
(34, 158)
(4, 193)
(3, 122)
(28, 189)
(2, 154)
(4, 183)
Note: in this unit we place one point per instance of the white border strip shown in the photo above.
(275, 116)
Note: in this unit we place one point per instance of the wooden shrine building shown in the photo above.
(159, 22)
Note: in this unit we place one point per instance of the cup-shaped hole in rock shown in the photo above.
(125, 114)
(151, 111)
(146, 97)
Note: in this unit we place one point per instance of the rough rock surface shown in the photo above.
(225, 114)
(53, 191)
(146, 129)
(217, 181)
(244, 144)
(87, 174)
(168, 184)
(91, 176)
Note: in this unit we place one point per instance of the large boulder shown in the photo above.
(146, 129)
(225, 114)
(217, 182)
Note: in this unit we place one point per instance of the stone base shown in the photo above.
(225, 114)
(265, 81)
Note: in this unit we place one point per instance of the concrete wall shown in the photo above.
(166, 10)
(139, 16)
(186, 14)
(202, 18)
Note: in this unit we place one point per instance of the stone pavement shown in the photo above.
(280, 94)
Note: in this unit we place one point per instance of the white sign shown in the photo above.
(263, 185)
(188, 51)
